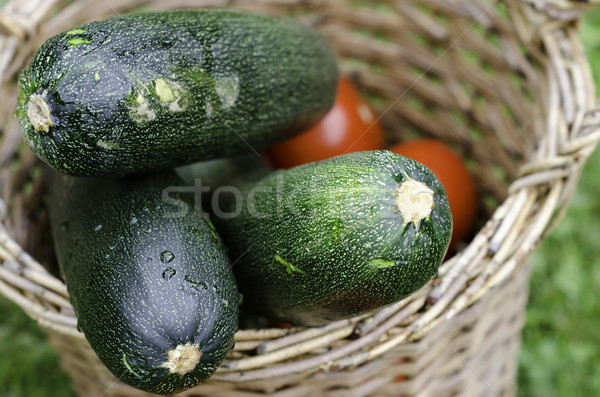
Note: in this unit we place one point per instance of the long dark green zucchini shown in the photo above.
(149, 91)
(149, 279)
(332, 239)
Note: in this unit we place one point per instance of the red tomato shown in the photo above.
(453, 174)
(350, 126)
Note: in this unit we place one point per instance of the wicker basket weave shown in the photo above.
(504, 82)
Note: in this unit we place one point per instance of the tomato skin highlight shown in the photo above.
(451, 170)
(350, 126)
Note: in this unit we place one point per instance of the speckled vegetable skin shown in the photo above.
(142, 282)
(325, 241)
(150, 91)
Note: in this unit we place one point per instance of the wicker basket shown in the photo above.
(505, 83)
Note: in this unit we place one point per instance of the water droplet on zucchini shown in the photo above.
(166, 256)
(169, 273)
(194, 286)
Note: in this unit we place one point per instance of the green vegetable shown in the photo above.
(149, 91)
(332, 239)
(151, 286)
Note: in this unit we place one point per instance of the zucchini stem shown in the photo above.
(183, 359)
(39, 113)
(414, 200)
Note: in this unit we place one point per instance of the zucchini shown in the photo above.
(150, 91)
(152, 288)
(332, 239)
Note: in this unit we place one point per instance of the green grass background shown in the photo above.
(561, 342)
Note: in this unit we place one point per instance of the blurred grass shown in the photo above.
(28, 365)
(561, 344)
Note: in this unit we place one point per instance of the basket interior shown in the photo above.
(458, 73)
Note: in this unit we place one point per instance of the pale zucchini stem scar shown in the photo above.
(414, 200)
(183, 359)
(39, 113)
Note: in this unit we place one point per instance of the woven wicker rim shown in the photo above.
(536, 199)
